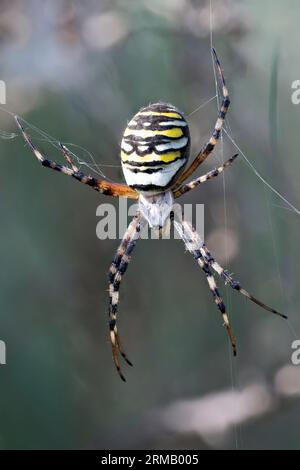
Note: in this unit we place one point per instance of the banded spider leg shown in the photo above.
(116, 272)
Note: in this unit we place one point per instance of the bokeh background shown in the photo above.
(78, 71)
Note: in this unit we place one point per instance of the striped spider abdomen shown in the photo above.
(155, 148)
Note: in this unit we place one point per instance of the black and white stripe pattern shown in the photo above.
(116, 272)
(210, 145)
(233, 283)
(202, 179)
(155, 147)
(193, 244)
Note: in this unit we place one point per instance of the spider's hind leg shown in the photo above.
(233, 283)
(116, 272)
(193, 244)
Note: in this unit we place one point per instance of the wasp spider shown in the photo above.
(154, 154)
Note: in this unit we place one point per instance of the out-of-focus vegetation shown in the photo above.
(78, 71)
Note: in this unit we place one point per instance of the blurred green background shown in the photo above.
(79, 71)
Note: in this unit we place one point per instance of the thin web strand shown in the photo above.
(56, 144)
(202, 105)
(255, 171)
(42, 136)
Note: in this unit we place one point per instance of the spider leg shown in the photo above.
(234, 284)
(193, 243)
(102, 186)
(116, 272)
(68, 157)
(210, 145)
(202, 179)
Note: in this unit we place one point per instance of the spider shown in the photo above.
(154, 154)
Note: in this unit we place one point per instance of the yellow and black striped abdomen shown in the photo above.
(155, 148)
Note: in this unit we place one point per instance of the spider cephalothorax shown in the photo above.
(154, 153)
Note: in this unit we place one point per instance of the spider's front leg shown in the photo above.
(116, 272)
(104, 187)
(193, 244)
(202, 179)
(210, 145)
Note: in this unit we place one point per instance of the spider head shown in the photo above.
(155, 148)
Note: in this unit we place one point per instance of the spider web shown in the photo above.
(82, 157)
